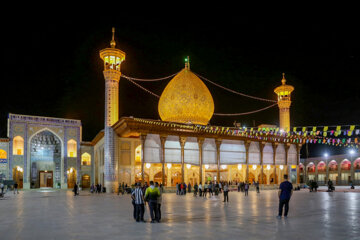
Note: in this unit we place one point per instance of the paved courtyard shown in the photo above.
(60, 215)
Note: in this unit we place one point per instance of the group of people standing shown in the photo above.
(151, 195)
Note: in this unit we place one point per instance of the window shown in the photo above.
(71, 148)
(18, 145)
(3, 154)
(86, 159)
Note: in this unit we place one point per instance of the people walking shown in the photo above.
(205, 189)
(196, 188)
(159, 200)
(189, 187)
(138, 200)
(2, 188)
(285, 193)
(16, 188)
(151, 195)
(257, 187)
(75, 190)
(200, 190)
(226, 192)
(246, 189)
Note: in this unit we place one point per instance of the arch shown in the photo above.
(86, 159)
(357, 164)
(301, 167)
(264, 180)
(333, 165)
(274, 180)
(50, 174)
(138, 154)
(176, 177)
(251, 177)
(18, 176)
(71, 148)
(3, 154)
(139, 179)
(321, 166)
(71, 177)
(345, 164)
(18, 145)
(237, 177)
(311, 167)
(158, 178)
(85, 181)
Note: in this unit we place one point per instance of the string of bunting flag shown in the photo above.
(342, 136)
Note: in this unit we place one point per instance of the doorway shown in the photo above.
(46, 179)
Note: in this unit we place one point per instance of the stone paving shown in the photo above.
(60, 215)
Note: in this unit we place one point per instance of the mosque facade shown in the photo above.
(49, 152)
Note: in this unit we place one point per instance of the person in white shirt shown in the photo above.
(200, 190)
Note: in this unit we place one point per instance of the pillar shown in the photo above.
(142, 139)
(298, 147)
(200, 143)
(339, 173)
(286, 167)
(218, 144)
(261, 145)
(182, 144)
(247, 146)
(274, 145)
(316, 171)
(163, 140)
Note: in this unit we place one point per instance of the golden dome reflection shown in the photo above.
(186, 99)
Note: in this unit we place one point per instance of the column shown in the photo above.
(261, 145)
(286, 167)
(352, 171)
(298, 147)
(65, 160)
(182, 144)
(163, 140)
(200, 143)
(274, 145)
(142, 139)
(316, 171)
(218, 144)
(339, 173)
(247, 146)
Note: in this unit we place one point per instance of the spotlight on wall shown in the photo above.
(351, 152)
(206, 166)
(148, 165)
(223, 166)
(188, 166)
(169, 165)
(326, 154)
(281, 167)
(254, 167)
(239, 166)
(268, 167)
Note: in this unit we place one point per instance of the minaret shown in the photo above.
(284, 102)
(112, 58)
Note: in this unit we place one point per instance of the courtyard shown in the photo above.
(57, 214)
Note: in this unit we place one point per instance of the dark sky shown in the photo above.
(52, 68)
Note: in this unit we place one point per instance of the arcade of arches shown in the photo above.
(340, 171)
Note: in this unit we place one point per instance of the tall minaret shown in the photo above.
(112, 58)
(284, 102)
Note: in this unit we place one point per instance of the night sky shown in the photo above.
(52, 68)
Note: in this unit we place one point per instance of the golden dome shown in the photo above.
(186, 99)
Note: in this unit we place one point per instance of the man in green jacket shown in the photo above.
(151, 195)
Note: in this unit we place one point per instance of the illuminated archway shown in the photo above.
(176, 178)
(311, 168)
(138, 154)
(251, 178)
(158, 178)
(71, 177)
(321, 167)
(86, 159)
(3, 154)
(18, 173)
(333, 165)
(71, 148)
(85, 181)
(18, 145)
(263, 181)
(345, 165)
(357, 164)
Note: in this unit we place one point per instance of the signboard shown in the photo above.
(3, 160)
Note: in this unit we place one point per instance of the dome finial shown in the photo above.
(283, 79)
(113, 43)
(187, 63)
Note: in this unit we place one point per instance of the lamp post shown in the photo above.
(326, 155)
(352, 152)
